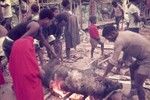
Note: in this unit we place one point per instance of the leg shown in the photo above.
(51, 53)
(93, 45)
(58, 49)
(102, 46)
(127, 25)
(8, 23)
(139, 80)
(7, 45)
(133, 69)
(117, 22)
(68, 53)
(92, 51)
(40, 54)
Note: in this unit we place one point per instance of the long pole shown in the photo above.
(71, 5)
(80, 9)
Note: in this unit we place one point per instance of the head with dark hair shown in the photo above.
(34, 8)
(110, 33)
(61, 19)
(92, 19)
(114, 4)
(66, 4)
(134, 1)
(46, 13)
(2, 0)
(55, 11)
(45, 16)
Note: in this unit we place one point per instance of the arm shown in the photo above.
(127, 59)
(3, 31)
(33, 28)
(114, 60)
(46, 44)
(112, 13)
(109, 68)
(136, 17)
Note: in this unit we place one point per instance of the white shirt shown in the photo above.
(133, 9)
(35, 17)
(7, 12)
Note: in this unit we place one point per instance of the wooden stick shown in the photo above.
(103, 61)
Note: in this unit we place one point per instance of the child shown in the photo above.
(118, 13)
(94, 36)
(35, 12)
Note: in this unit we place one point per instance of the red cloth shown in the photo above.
(2, 81)
(93, 31)
(24, 70)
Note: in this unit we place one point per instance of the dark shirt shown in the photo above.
(52, 30)
(18, 31)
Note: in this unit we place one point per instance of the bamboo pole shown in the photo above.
(71, 5)
(20, 13)
(80, 9)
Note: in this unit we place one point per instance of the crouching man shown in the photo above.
(133, 46)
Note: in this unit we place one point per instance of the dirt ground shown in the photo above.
(83, 53)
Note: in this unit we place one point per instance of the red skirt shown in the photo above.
(24, 70)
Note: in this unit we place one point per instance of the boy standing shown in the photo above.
(118, 13)
(94, 36)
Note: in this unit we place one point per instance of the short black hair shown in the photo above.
(53, 9)
(65, 3)
(92, 19)
(108, 30)
(114, 3)
(134, 1)
(2, 0)
(61, 17)
(46, 13)
(35, 8)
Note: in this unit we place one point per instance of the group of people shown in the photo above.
(135, 54)
(133, 15)
(47, 27)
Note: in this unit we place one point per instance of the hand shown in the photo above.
(42, 73)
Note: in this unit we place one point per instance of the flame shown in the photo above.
(56, 86)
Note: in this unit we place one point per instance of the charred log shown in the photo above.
(79, 81)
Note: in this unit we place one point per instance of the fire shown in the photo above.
(56, 86)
